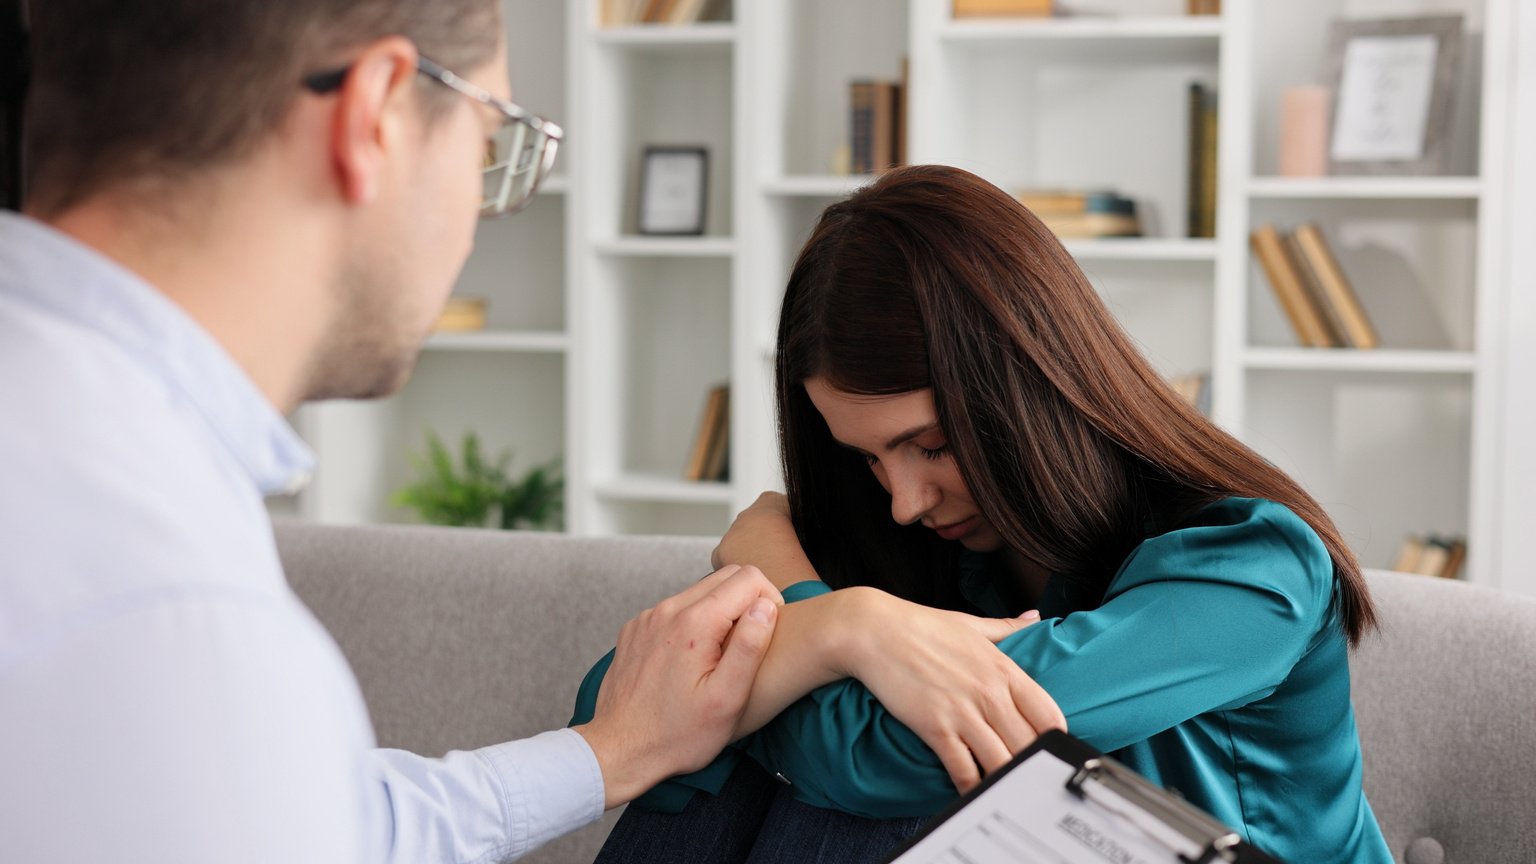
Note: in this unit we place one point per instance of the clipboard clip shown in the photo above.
(1169, 820)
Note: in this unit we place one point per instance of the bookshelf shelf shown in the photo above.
(661, 489)
(1366, 188)
(1142, 249)
(510, 341)
(668, 247)
(1350, 360)
(713, 36)
(817, 185)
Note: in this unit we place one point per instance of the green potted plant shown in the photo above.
(470, 491)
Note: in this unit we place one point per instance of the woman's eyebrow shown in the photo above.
(910, 434)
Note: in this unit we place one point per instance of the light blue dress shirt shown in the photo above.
(164, 696)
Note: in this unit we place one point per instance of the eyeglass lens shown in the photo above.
(515, 162)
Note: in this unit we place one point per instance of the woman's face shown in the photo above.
(900, 438)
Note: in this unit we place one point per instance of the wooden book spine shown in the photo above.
(1356, 325)
(1287, 287)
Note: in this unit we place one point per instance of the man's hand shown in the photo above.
(679, 681)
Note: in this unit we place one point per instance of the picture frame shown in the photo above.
(674, 191)
(1393, 80)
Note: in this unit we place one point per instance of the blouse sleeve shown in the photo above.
(1208, 617)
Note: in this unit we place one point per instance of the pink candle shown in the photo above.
(1304, 131)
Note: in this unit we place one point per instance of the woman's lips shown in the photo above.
(957, 530)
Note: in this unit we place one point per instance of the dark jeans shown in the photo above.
(754, 820)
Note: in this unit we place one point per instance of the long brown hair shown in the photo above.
(1072, 446)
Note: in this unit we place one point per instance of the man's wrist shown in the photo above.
(624, 775)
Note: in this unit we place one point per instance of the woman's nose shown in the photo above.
(912, 496)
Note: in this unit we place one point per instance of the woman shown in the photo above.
(943, 360)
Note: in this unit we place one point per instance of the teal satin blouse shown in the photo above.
(1216, 665)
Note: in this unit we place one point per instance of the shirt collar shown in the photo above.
(56, 273)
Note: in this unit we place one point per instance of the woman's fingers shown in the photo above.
(1007, 717)
(987, 746)
(1039, 710)
(956, 756)
(997, 629)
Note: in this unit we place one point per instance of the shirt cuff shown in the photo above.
(550, 785)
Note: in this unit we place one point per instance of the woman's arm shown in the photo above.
(764, 536)
(1211, 617)
(937, 671)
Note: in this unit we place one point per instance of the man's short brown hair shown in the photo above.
(162, 88)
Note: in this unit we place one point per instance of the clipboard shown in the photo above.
(1062, 802)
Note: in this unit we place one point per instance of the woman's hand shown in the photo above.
(940, 674)
(763, 536)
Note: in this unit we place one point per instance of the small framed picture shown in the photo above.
(674, 185)
(1393, 80)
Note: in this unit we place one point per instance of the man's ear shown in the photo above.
(370, 114)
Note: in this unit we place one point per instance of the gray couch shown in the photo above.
(466, 638)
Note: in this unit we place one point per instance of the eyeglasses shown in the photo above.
(518, 156)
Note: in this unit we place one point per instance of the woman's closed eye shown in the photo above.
(933, 454)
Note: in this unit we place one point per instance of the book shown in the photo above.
(462, 314)
(717, 463)
(1455, 559)
(1203, 128)
(1435, 554)
(1408, 554)
(883, 126)
(1041, 201)
(874, 113)
(1210, 131)
(1339, 296)
(705, 440)
(1089, 225)
(681, 12)
(902, 111)
(861, 109)
(1083, 213)
(1313, 285)
(656, 11)
(1194, 389)
(1004, 8)
(1202, 7)
(1305, 320)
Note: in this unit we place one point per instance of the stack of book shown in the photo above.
(877, 127)
(1201, 212)
(623, 13)
(712, 444)
(1312, 288)
(1432, 556)
(1004, 8)
(1083, 213)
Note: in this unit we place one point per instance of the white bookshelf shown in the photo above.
(635, 330)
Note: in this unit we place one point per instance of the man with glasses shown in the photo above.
(236, 206)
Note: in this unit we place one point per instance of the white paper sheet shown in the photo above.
(1030, 817)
